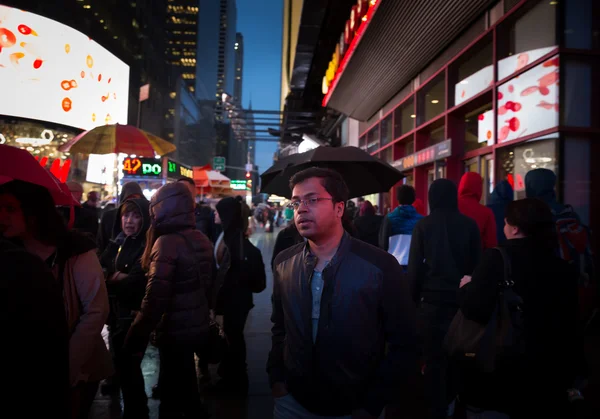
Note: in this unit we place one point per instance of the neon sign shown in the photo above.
(177, 169)
(60, 172)
(141, 166)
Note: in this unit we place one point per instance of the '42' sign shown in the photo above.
(141, 166)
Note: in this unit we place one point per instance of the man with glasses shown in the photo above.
(337, 301)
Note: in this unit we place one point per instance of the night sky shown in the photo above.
(261, 25)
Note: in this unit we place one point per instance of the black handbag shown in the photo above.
(473, 342)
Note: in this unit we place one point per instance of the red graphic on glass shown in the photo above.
(67, 104)
(37, 63)
(522, 61)
(552, 62)
(530, 90)
(549, 79)
(503, 134)
(514, 124)
(7, 38)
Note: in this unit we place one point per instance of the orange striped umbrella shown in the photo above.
(118, 138)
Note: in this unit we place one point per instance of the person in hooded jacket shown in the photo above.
(33, 221)
(126, 284)
(367, 224)
(130, 190)
(397, 228)
(204, 214)
(238, 263)
(549, 306)
(470, 190)
(179, 295)
(445, 247)
(502, 196)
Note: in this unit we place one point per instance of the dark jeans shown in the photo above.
(82, 397)
(233, 367)
(179, 395)
(129, 371)
(433, 321)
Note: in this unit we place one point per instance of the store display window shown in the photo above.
(529, 103)
(581, 78)
(526, 37)
(431, 99)
(386, 130)
(471, 73)
(479, 128)
(387, 154)
(404, 118)
(515, 162)
(373, 139)
(582, 24)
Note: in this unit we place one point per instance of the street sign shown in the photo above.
(219, 164)
(144, 92)
(249, 167)
(238, 185)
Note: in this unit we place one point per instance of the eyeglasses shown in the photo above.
(310, 202)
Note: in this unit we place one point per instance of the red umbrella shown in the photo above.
(17, 164)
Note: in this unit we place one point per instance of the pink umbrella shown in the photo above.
(17, 164)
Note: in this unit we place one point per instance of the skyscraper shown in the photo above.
(239, 68)
(182, 34)
(216, 47)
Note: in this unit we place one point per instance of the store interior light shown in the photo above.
(413, 116)
(464, 82)
(435, 101)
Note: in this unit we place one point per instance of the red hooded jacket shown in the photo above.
(469, 195)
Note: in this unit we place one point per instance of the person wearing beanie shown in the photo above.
(396, 230)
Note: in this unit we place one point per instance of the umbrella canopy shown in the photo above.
(363, 173)
(17, 164)
(118, 138)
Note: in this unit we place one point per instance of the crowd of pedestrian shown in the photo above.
(365, 306)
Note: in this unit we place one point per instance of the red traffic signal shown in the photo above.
(247, 174)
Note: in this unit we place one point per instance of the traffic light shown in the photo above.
(247, 175)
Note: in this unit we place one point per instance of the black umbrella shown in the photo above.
(363, 173)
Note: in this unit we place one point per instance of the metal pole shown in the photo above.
(139, 114)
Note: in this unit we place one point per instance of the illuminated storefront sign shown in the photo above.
(427, 155)
(177, 170)
(358, 14)
(51, 72)
(141, 166)
(239, 185)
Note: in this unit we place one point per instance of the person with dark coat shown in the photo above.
(86, 217)
(130, 190)
(397, 228)
(367, 224)
(32, 317)
(178, 298)
(344, 334)
(204, 214)
(286, 238)
(126, 284)
(503, 195)
(238, 263)
(549, 295)
(470, 190)
(445, 247)
(31, 219)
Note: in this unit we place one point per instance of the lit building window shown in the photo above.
(172, 95)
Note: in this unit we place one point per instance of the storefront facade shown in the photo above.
(520, 94)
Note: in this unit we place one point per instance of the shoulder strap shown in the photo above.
(507, 280)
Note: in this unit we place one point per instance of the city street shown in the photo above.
(259, 404)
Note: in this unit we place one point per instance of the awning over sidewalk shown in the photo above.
(210, 181)
(401, 39)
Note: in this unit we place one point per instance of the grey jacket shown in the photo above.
(365, 304)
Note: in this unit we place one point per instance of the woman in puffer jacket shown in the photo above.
(179, 260)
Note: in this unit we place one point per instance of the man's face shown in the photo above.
(320, 218)
(93, 198)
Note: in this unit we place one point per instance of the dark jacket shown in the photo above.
(237, 267)
(367, 228)
(549, 295)
(365, 303)
(124, 254)
(107, 222)
(503, 195)
(445, 246)
(286, 238)
(469, 197)
(177, 297)
(396, 232)
(205, 220)
(32, 319)
(86, 220)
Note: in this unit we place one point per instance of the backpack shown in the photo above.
(574, 244)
